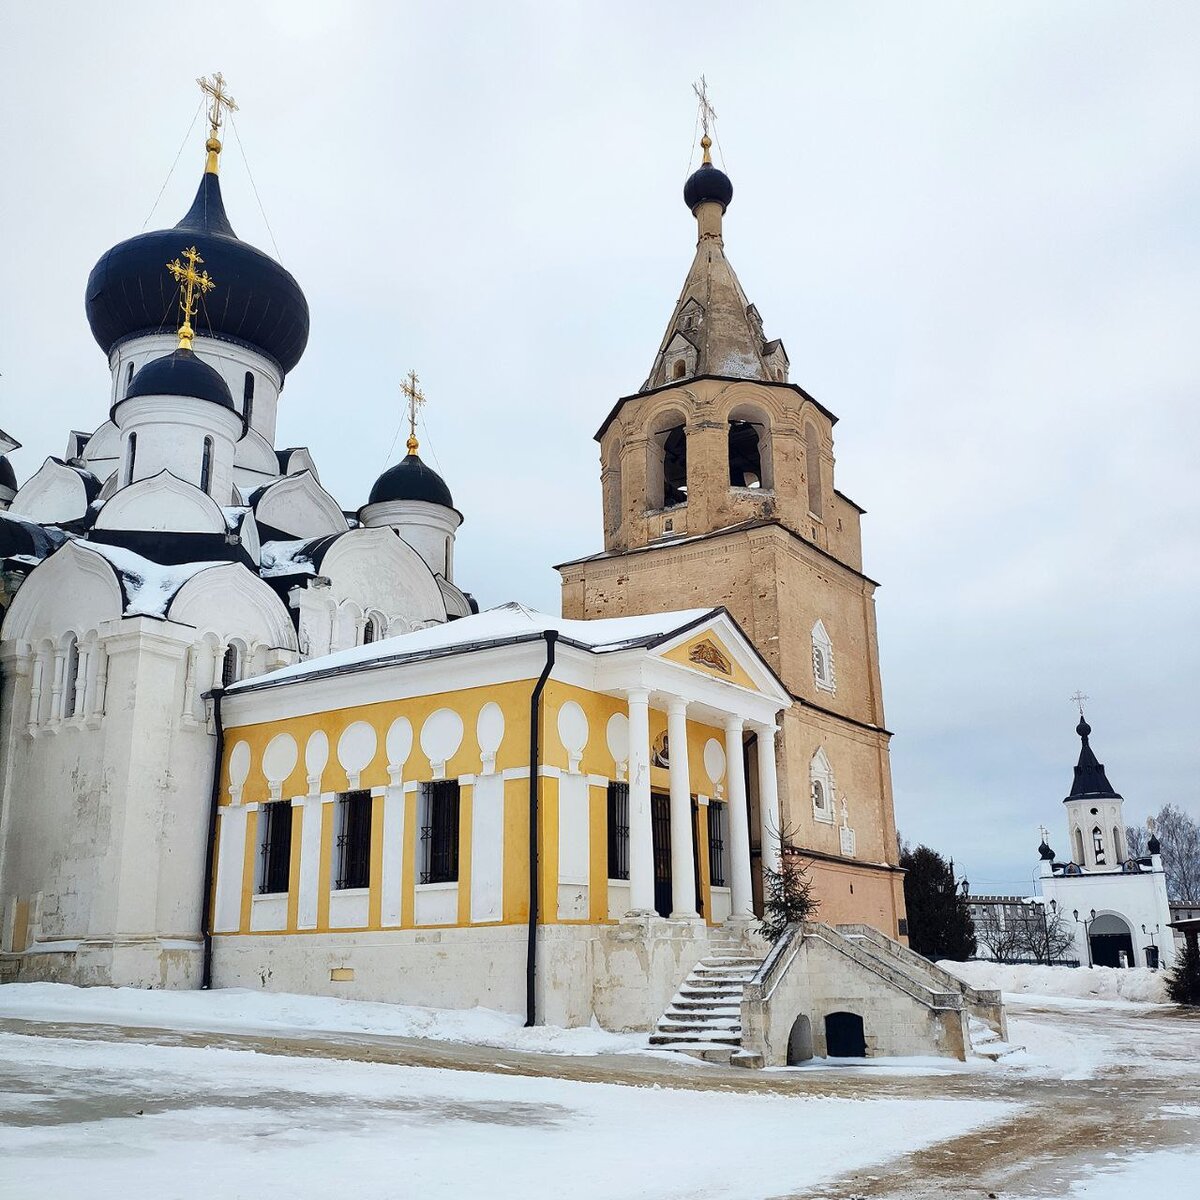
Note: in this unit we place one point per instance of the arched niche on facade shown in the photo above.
(812, 468)
(75, 588)
(162, 502)
(299, 507)
(236, 604)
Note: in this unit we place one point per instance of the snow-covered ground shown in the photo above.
(128, 1120)
(245, 1010)
(1090, 984)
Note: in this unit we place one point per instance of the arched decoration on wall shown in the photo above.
(441, 736)
(239, 769)
(279, 761)
(316, 755)
(229, 597)
(1118, 844)
(1078, 839)
(398, 746)
(820, 773)
(616, 735)
(162, 502)
(356, 750)
(714, 764)
(75, 588)
(812, 468)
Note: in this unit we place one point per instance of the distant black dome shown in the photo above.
(1083, 728)
(411, 479)
(1154, 846)
(8, 477)
(181, 374)
(255, 303)
(708, 183)
(1045, 853)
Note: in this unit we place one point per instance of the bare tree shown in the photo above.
(1004, 938)
(1047, 936)
(1179, 835)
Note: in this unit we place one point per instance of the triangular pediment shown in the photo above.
(718, 649)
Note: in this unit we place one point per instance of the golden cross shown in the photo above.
(416, 398)
(1079, 699)
(221, 100)
(708, 115)
(191, 281)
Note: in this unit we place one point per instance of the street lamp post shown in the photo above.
(1152, 934)
(1087, 935)
(1046, 928)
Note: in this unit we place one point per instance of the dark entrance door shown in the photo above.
(660, 823)
(844, 1036)
(1108, 947)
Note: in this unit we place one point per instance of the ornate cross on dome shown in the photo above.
(1079, 699)
(221, 101)
(190, 282)
(416, 398)
(708, 115)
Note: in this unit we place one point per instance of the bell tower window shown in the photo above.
(745, 459)
(1098, 845)
(674, 467)
(679, 370)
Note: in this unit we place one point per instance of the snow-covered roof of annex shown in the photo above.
(511, 624)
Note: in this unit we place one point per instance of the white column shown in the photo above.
(641, 834)
(768, 797)
(683, 876)
(739, 823)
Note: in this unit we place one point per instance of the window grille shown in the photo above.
(439, 831)
(716, 843)
(230, 666)
(275, 850)
(618, 831)
(354, 841)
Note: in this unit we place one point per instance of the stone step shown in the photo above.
(687, 1004)
(674, 1024)
(693, 1037)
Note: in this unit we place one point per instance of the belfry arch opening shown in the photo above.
(812, 467)
(749, 445)
(667, 473)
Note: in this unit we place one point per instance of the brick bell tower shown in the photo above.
(718, 489)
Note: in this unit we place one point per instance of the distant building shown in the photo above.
(1117, 901)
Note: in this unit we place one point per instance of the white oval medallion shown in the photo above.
(316, 754)
(573, 728)
(356, 747)
(239, 764)
(714, 761)
(279, 758)
(441, 736)
(489, 728)
(398, 742)
(617, 735)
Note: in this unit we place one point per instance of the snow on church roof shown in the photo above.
(506, 623)
(148, 586)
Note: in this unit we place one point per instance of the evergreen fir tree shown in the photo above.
(939, 918)
(1183, 981)
(787, 897)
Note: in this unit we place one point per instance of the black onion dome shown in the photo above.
(1045, 853)
(1154, 846)
(411, 479)
(255, 303)
(181, 374)
(708, 183)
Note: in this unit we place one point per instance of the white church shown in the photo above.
(249, 738)
(1114, 901)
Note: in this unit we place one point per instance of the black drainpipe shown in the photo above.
(210, 853)
(535, 761)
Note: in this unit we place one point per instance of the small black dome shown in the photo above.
(1083, 728)
(411, 479)
(256, 302)
(708, 183)
(8, 477)
(1154, 845)
(181, 374)
(1045, 853)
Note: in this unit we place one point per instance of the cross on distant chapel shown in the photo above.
(416, 398)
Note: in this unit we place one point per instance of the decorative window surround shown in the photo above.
(821, 779)
(822, 656)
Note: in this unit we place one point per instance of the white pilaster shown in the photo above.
(309, 884)
(768, 797)
(683, 874)
(391, 884)
(739, 822)
(641, 834)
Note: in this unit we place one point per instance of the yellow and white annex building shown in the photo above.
(374, 820)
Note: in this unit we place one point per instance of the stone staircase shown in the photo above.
(987, 1043)
(704, 1019)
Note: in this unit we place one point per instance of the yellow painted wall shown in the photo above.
(513, 698)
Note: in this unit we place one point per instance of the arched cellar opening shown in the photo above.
(800, 1042)
(844, 1035)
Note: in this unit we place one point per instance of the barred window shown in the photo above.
(354, 841)
(618, 831)
(439, 831)
(275, 849)
(717, 824)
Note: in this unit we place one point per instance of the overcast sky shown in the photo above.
(974, 226)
